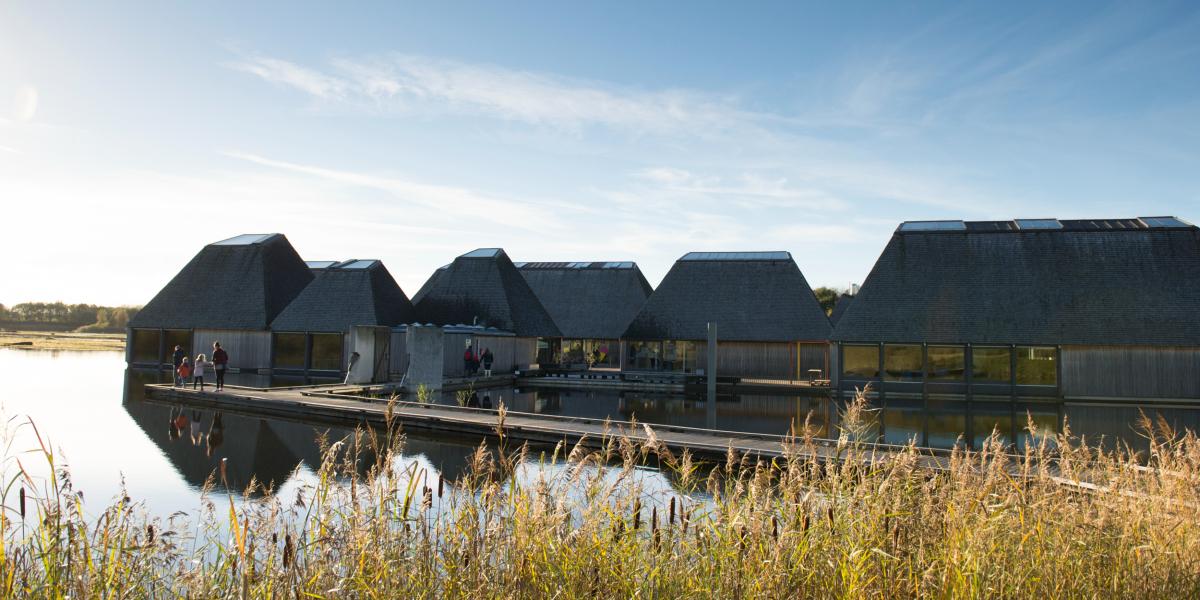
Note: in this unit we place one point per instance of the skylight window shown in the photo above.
(357, 264)
(1164, 222)
(1033, 224)
(320, 264)
(933, 226)
(618, 265)
(737, 256)
(245, 239)
(483, 253)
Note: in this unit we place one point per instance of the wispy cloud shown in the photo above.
(407, 82)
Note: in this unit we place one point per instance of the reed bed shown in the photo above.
(577, 523)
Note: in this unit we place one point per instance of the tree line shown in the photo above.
(62, 316)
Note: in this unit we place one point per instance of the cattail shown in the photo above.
(774, 528)
(149, 535)
(654, 526)
(287, 551)
(671, 514)
(637, 514)
(274, 538)
(804, 522)
(22, 503)
(829, 513)
(742, 538)
(426, 497)
(441, 482)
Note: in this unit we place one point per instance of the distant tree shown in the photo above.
(827, 296)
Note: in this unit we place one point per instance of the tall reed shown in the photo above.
(1059, 520)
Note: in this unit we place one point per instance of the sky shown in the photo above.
(132, 134)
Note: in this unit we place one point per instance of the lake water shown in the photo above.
(91, 411)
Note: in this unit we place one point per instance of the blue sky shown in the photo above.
(133, 133)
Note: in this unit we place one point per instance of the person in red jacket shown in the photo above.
(185, 369)
(220, 360)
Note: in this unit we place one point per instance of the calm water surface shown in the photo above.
(91, 411)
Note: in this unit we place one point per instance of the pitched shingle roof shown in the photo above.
(751, 297)
(239, 283)
(483, 287)
(1116, 281)
(344, 295)
(839, 308)
(588, 299)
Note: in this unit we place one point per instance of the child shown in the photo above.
(184, 371)
(201, 364)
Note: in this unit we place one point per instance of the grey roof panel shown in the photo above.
(490, 292)
(596, 302)
(340, 298)
(765, 300)
(1033, 224)
(230, 286)
(1083, 284)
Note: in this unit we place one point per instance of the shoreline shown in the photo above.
(61, 340)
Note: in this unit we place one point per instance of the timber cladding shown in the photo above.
(1131, 372)
(248, 350)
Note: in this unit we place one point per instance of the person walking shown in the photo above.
(198, 371)
(184, 371)
(176, 360)
(220, 361)
(487, 359)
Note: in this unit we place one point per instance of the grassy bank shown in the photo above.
(576, 523)
(57, 340)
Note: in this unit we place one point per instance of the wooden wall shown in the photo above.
(248, 350)
(1131, 372)
(511, 353)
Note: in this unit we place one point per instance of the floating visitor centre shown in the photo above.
(1003, 313)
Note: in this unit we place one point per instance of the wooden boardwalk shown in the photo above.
(340, 403)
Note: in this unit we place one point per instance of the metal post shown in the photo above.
(711, 374)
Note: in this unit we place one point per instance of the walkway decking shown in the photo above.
(339, 403)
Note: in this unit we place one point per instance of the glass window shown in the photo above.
(860, 362)
(947, 363)
(183, 339)
(601, 353)
(679, 356)
(644, 355)
(990, 364)
(546, 349)
(1036, 366)
(327, 352)
(572, 351)
(289, 351)
(145, 346)
(902, 362)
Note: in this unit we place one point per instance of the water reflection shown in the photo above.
(145, 449)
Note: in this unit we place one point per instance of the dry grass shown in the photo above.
(579, 523)
(59, 340)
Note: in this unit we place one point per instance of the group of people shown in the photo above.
(185, 368)
(178, 423)
(472, 361)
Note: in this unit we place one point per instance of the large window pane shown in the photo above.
(327, 352)
(947, 363)
(1036, 365)
(990, 365)
(145, 346)
(572, 351)
(644, 355)
(902, 362)
(289, 350)
(601, 353)
(988, 417)
(860, 362)
(678, 356)
(183, 339)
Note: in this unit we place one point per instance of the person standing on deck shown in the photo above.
(220, 360)
(184, 371)
(487, 359)
(176, 360)
(468, 361)
(201, 363)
